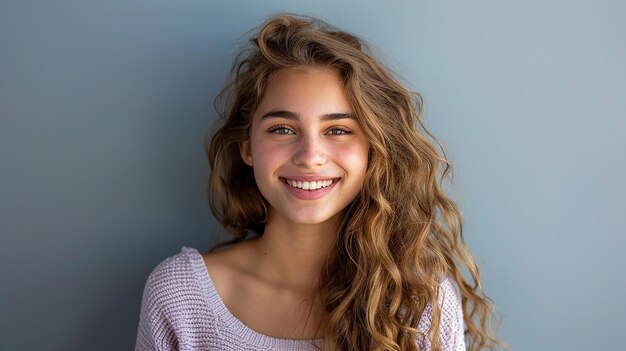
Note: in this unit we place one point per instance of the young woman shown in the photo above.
(343, 239)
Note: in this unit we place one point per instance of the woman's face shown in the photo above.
(308, 152)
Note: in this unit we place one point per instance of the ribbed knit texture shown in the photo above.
(181, 310)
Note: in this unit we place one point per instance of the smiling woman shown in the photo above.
(307, 137)
(321, 156)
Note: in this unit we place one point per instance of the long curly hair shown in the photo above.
(401, 236)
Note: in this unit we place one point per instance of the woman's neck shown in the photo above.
(293, 254)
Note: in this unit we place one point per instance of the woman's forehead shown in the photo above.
(304, 90)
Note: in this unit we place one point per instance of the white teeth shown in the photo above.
(312, 185)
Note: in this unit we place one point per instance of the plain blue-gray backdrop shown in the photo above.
(104, 106)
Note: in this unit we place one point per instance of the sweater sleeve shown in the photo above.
(155, 331)
(451, 335)
(145, 337)
(451, 327)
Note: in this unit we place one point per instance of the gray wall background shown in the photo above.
(104, 105)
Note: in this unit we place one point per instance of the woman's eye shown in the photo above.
(281, 130)
(339, 131)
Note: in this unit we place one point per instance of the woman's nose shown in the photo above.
(309, 152)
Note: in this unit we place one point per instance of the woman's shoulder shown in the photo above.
(451, 325)
(229, 266)
(449, 293)
(180, 305)
(180, 266)
(186, 277)
(175, 279)
(239, 257)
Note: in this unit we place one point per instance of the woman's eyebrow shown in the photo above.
(334, 116)
(280, 114)
(295, 116)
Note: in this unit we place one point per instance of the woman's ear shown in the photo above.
(244, 150)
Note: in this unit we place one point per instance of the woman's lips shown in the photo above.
(309, 188)
(309, 185)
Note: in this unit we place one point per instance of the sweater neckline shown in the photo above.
(247, 334)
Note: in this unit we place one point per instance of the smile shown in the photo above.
(310, 185)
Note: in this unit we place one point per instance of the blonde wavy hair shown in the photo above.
(400, 236)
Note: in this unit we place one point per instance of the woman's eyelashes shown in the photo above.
(339, 131)
(281, 130)
(286, 130)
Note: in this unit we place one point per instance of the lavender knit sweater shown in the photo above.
(181, 310)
